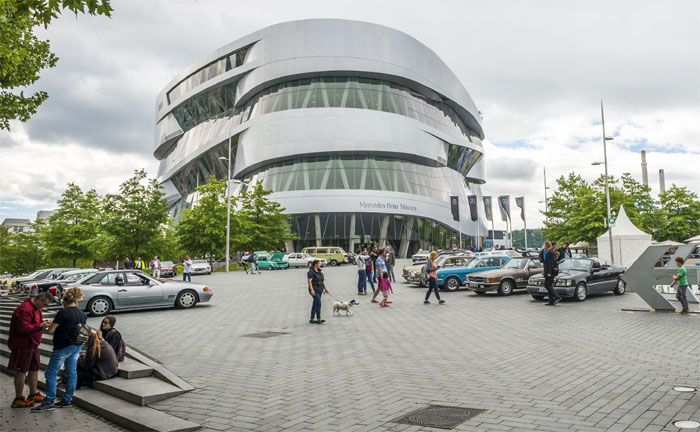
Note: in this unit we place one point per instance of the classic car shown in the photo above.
(201, 267)
(414, 273)
(132, 289)
(24, 284)
(578, 278)
(514, 275)
(421, 255)
(167, 269)
(451, 278)
(56, 286)
(299, 259)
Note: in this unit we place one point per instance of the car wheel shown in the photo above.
(506, 288)
(452, 283)
(620, 288)
(333, 263)
(581, 292)
(209, 273)
(186, 299)
(99, 306)
(537, 297)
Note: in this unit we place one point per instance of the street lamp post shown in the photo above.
(546, 200)
(228, 205)
(607, 186)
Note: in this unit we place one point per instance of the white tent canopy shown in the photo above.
(629, 242)
(694, 240)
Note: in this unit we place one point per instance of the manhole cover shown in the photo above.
(686, 424)
(265, 335)
(438, 416)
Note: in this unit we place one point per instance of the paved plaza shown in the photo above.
(575, 367)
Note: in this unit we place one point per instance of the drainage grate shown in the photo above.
(265, 335)
(439, 416)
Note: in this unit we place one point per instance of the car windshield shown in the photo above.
(166, 263)
(575, 264)
(473, 263)
(200, 262)
(306, 255)
(516, 263)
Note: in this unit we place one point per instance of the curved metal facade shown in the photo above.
(351, 124)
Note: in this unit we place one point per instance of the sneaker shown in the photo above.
(320, 321)
(37, 397)
(22, 402)
(63, 404)
(426, 301)
(557, 300)
(313, 321)
(44, 406)
(374, 301)
(442, 302)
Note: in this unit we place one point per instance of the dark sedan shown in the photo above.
(514, 275)
(578, 278)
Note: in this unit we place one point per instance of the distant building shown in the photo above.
(44, 214)
(17, 225)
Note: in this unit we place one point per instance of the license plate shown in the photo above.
(474, 284)
(543, 290)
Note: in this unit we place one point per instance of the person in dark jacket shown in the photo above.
(99, 363)
(26, 328)
(549, 271)
(113, 337)
(564, 252)
(128, 263)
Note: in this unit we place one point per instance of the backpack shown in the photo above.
(80, 334)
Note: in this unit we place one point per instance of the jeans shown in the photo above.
(67, 356)
(187, 277)
(316, 307)
(681, 296)
(390, 270)
(369, 279)
(362, 281)
(433, 286)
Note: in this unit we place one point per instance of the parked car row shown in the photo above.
(502, 273)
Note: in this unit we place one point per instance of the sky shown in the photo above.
(537, 69)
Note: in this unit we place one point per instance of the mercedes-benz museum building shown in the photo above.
(362, 132)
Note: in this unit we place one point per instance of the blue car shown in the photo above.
(451, 278)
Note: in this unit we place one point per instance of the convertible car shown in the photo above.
(578, 278)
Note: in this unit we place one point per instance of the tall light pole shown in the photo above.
(607, 186)
(228, 206)
(546, 206)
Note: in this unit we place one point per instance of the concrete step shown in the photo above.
(141, 391)
(128, 369)
(125, 414)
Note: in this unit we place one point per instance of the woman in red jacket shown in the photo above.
(26, 328)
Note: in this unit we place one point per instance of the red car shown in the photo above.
(167, 269)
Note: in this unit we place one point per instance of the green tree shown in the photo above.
(201, 230)
(71, 232)
(265, 223)
(576, 211)
(134, 218)
(27, 250)
(23, 56)
(6, 250)
(679, 215)
(535, 237)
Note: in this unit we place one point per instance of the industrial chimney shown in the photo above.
(662, 181)
(645, 175)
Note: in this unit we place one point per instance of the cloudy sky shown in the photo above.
(537, 69)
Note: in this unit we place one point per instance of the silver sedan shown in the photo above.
(131, 289)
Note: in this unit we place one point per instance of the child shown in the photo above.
(385, 286)
(681, 278)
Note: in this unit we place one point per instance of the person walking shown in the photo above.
(26, 328)
(369, 270)
(317, 286)
(379, 269)
(253, 264)
(361, 261)
(431, 269)
(549, 271)
(155, 267)
(681, 279)
(128, 263)
(390, 261)
(67, 329)
(385, 286)
(187, 269)
(373, 254)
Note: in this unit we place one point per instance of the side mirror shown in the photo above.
(119, 280)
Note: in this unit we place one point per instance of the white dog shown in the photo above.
(343, 306)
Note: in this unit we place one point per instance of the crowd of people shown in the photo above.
(84, 354)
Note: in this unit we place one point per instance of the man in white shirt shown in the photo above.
(361, 260)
